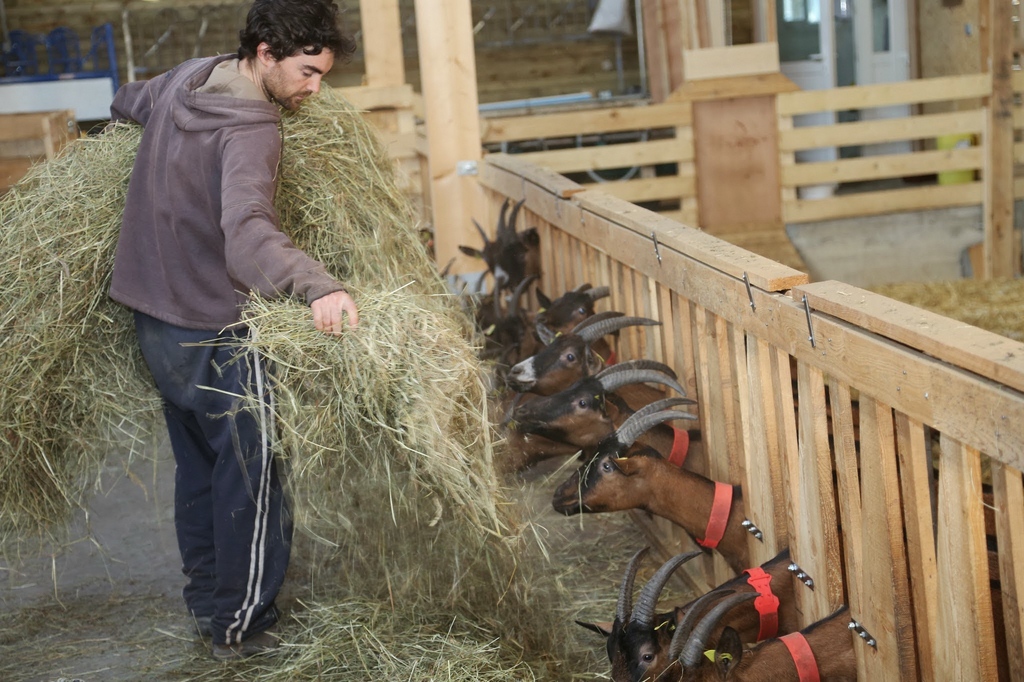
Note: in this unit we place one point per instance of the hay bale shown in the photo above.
(384, 431)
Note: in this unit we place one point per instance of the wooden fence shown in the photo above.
(659, 139)
(878, 484)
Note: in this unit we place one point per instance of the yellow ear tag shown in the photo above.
(710, 653)
(542, 310)
(489, 330)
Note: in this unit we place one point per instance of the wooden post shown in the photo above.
(997, 59)
(444, 30)
(382, 43)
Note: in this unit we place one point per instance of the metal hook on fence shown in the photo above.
(801, 575)
(657, 251)
(750, 293)
(810, 329)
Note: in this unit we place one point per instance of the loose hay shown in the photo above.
(384, 431)
(993, 305)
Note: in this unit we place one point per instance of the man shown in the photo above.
(199, 234)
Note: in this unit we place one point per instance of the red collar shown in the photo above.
(680, 447)
(767, 604)
(719, 516)
(612, 359)
(803, 657)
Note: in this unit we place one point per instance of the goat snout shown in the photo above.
(522, 376)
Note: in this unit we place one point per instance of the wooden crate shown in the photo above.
(28, 138)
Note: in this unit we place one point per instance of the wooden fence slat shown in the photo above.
(814, 539)
(584, 122)
(886, 94)
(884, 201)
(610, 156)
(885, 596)
(847, 467)
(1008, 489)
(922, 127)
(647, 189)
(916, 480)
(964, 645)
(887, 166)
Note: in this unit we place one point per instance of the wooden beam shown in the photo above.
(445, 34)
(999, 261)
(382, 43)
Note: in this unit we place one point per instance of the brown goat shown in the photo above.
(639, 641)
(611, 482)
(511, 256)
(827, 647)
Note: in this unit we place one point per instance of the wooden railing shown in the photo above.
(858, 427)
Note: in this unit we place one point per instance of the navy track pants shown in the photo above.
(233, 525)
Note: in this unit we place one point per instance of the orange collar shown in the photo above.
(767, 604)
(803, 657)
(680, 447)
(720, 508)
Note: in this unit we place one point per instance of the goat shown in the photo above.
(569, 357)
(511, 256)
(561, 315)
(545, 427)
(638, 641)
(609, 481)
(824, 651)
(508, 334)
(593, 407)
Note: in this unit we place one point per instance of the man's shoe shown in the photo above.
(202, 625)
(260, 643)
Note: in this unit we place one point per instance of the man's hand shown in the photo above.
(328, 312)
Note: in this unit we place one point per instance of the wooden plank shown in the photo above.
(814, 541)
(998, 250)
(736, 151)
(646, 189)
(763, 494)
(584, 122)
(13, 170)
(610, 156)
(886, 593)
(445, 36)
(763, 273)
(382, 43)
(878, 167)
(731, 61)
(509, 175)
(915, 478)
(923, 127)
(989, 355)
(885, 201)
(918, 91)
(725, 88)
(965, 640)
(1008, 491)
(851, 523)
(38, 125)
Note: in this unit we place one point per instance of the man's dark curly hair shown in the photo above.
(293, 26)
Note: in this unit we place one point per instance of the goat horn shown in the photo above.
(643, 613)
(696, 642)
(581, 288)
(660, 405)
(693, 614)
(624, 608)
(513, 305)
(483, 234)
(501, 219)
(642, 363)
(511, 225)
(634, 427)
(635, 376)
(606, 325)
(598, 293)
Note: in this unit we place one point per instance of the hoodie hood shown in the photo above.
(201, 111)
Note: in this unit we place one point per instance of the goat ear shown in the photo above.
(470, 251)
(603, 629)
(543, 300)
(530, 237)
(728, 653)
